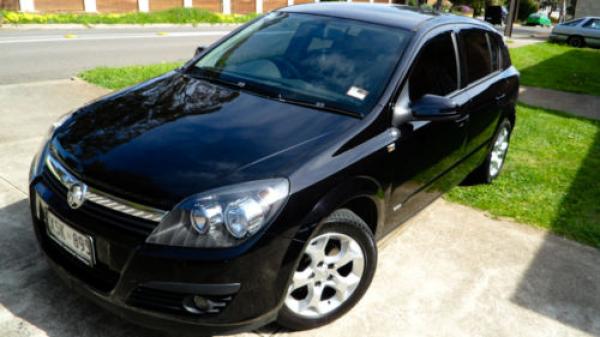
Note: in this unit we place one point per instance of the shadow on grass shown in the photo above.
(575, 70)
(563, 280)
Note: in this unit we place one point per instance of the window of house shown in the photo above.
(435, 71)
(478, 59)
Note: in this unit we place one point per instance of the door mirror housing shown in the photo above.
(199, 50)
(435, 108)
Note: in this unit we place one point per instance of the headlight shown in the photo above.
(38, 157)
(223, 217)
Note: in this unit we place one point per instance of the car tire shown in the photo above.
(298, 312)
(576, 41)
(494, 162)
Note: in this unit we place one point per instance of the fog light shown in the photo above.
(201, 303)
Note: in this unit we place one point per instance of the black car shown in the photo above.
(251, 184)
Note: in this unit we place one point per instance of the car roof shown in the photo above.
(401, 16)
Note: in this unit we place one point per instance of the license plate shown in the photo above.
(76, 243)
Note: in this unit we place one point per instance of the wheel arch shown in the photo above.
(361, 194)
(577, 36)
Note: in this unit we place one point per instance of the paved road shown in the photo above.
(38, 55)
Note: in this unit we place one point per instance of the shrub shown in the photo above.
(526, 8)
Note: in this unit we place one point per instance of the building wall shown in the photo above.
(211, 5)
(587, 8)
(237, 6)
(243, 6)
(116, 6)
(160, 5)
(269, 5)
(11, 5)
(59, 5)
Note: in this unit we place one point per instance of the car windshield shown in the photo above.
(319, 61)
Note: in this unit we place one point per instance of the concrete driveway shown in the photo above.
(452, 271)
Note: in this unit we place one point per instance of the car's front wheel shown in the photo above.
(334, 272)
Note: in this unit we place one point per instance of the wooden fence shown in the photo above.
(109, 6)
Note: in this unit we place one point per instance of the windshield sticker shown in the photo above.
(357, 93)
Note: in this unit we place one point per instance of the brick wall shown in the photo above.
(118, 6)
(243, 6)
(59, 5)
(122, 6)
(211, 5)
(11, 5)
(269, 5)
(159, 5)
(587, 8)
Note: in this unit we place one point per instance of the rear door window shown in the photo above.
(477, 54)
(435, 70)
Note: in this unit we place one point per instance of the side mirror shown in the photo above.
(199, 50)
(435, 108)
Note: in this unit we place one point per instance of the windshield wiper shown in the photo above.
(211, 75)
(318, 105)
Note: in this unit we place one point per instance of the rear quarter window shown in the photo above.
(504, 55)
(495, 51)
(477, 54)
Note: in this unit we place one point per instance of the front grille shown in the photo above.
(136, 226)
(166, 301)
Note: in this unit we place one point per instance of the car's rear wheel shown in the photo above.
(492, 166)
(334, 272)
(576, 41)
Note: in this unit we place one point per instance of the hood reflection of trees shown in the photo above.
(101, 126)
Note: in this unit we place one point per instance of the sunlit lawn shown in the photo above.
(559, 67)
(551, 178)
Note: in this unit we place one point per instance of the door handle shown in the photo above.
(500, 97)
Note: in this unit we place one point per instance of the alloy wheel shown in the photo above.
(329, 272)
(499, 151)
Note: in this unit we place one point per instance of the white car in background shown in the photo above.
(579, 32)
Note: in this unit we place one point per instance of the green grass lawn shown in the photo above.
(121, 77)
(559, 67)
(551, 178)
(175, 15)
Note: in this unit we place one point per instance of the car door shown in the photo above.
(426, 150)
(591, 32)
(483, 84)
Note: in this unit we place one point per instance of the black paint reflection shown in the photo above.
(110, 122)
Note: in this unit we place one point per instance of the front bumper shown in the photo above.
(555, 37)
(248, 285)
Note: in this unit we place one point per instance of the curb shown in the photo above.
(35, 26)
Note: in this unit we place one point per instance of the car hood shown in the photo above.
(175, 136)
